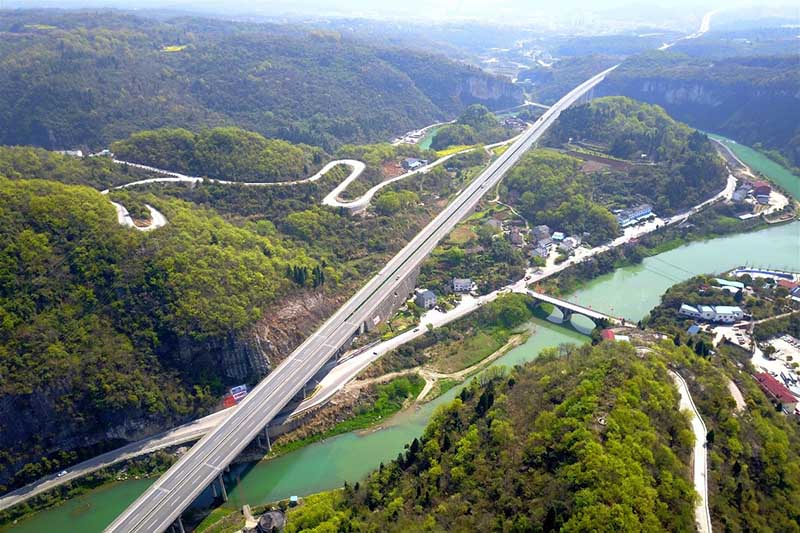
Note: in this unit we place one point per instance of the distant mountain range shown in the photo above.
(88, 78)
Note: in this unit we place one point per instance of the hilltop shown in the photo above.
(85, 79)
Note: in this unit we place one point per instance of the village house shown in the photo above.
(569, 244)
(462, 284)
(541, 233)
(412, 163)
(719, 313)
(425, 299)
(633, 215)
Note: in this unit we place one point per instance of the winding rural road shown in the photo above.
(331, 199)
(702, 514)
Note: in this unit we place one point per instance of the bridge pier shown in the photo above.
(222, 488)
(179, 523)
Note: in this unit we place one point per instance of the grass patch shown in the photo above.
(174, 48)
(454, 149)
(500, 150)
(391, 398)
(464, 353)
(462, 235)
(39, 27)
(442, 386)
(213, 517)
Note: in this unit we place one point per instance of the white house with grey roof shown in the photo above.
(716, 313)
(425, 299)
(462, 284)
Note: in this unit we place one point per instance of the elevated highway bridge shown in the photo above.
(175, 490)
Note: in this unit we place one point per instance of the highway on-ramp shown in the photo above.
(163, 502)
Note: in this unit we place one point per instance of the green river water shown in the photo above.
(630, 292)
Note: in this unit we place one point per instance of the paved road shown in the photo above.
(363, 201)
(157, 220)
(705, 25)
(163, 502)
(702, 514)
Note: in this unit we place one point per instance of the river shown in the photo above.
(629, 292)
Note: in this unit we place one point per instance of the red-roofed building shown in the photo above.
(761, 188)
(607, 335)
(776, 391)
(786, 284)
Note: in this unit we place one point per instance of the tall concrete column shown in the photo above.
(222, 488)
(266, 434)
(179, 523)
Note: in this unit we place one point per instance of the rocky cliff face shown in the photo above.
(751, 113)
(32, 426)
(494, 92)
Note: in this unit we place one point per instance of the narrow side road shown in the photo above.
(702, 514)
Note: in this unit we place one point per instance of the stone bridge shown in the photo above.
(568, 309)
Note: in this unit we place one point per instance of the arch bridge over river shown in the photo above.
(568, 309)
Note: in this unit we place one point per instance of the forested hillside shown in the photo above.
(223, 153)
(75, 79)
(109, 335)
(753, 100)
(582, 438)
(668, 164)
(549, 188)
(475, 125)
(104, 329)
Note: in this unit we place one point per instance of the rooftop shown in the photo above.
(775, 388)
(728, 283)
(728, 309)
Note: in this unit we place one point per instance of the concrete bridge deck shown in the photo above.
(571, 308)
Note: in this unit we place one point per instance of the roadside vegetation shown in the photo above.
(476, 125)
(139, 468)
(231, 154)
(754, 453)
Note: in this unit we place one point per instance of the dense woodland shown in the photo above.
(583, 438)
(104, 324)
(674, 167)
(78, 79)
(101, 324)
(223, 153)
(475, 125)
(549, 188)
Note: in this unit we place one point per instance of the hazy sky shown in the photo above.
(508, 11)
